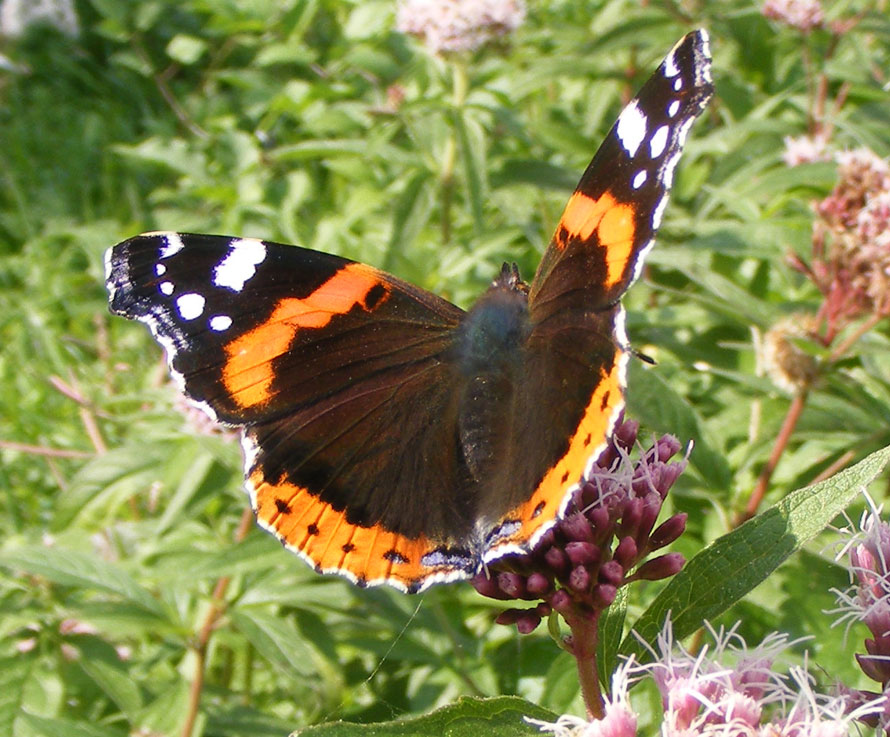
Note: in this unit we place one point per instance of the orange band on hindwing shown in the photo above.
(322, 535)
(544, 505)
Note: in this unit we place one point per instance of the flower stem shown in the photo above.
(217, 607)
(583, 648)
(792, 416)
(460, 84)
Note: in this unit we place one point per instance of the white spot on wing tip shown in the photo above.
(631, 128)
(658, 141)
(670, 65)
(639, 179)
(219, 323)
(172, 244)
(166, 288)
(190, 305)
(239, 264)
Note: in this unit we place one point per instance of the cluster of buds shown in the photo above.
(459, 25)
(601, 543)
(851, 242)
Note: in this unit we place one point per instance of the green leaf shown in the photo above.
(100, 662)
(186, 49)
(276, 639)
(504, 716)
(611, 629)
(411, 214)
(651, 399)
(13, 672)
(73, 568)
(166, 713)
(45, 727)
(734, 564)
(471, 140)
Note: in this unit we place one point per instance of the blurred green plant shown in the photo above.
(130, 583)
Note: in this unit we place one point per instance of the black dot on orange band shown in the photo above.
(565, 477)
(282, 506)
(587, 440)
(312, 529)
(347, 547)
(540, 508)
(374, 295)
(605, 403)
(394, 556)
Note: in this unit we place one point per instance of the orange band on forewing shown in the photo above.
(248, 371)
(616, 235)
(322, 535)
(583, 214)
(610, 220)
(543, 506)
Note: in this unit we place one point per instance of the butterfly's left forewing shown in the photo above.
(339, 376)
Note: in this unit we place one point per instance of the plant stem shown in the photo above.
(583, 648)
(217, 607)
(460, 84)
(788, 425)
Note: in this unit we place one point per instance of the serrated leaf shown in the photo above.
(504, 716)
(101, 664)
(733, 565)
(167, 712)
(73, 568)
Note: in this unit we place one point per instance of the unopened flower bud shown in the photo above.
(611, 573)
(512, 584)
(661, 567)
(626, 552)
(582, 554)
(668, 531)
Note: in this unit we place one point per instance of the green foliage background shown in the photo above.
(315, 122)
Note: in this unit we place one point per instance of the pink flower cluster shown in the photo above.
(805, 15)
(459, 25)
(724, 690)
(868, 601)
(851, 242)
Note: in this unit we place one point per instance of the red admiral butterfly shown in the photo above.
(388, 435)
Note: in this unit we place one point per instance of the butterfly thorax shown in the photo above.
(490, 346)
(496, 327)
